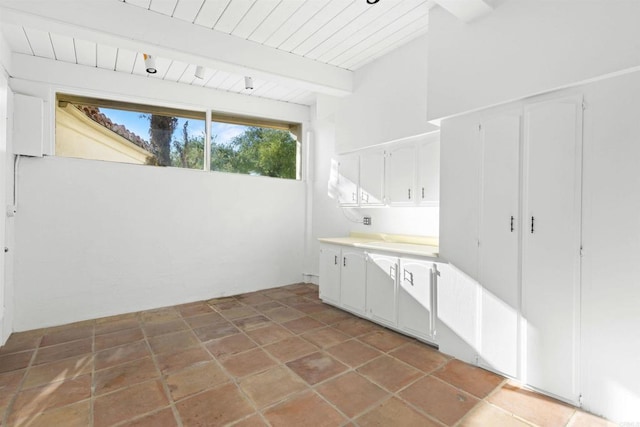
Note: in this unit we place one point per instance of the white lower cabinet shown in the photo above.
(416, 287)
(382, 273)
(391, 290)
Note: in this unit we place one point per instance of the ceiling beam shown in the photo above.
(466, 10)
(117, 24)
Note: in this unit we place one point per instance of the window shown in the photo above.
(100, 129)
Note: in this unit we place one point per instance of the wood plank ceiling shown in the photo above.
(342, 33)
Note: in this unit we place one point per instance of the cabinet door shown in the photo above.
(352, 280)
(330, 274)
(401, 165)
(415, 309)
(372, 178)
(428, 188)
(382, 273)
(551, 245)
(499, 229)
(348, 177)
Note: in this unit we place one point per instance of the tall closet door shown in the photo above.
(551, 245)
(498, 250)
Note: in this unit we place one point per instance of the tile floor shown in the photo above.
(277, 357)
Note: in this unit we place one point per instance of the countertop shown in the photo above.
(408, 245)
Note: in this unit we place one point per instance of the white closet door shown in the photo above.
(551, 245)
(499, 230)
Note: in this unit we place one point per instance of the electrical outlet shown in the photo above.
(366, 220)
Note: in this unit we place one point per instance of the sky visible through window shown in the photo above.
(137, 123)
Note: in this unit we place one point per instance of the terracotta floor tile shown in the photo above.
(215, 407)
(352, 393)
(269, 387)
(389, 373)
(62, 351)
(153, 329)
(439, 399)
(172, 343)
(60, 336)
(248, 363)
(355, 326)
(325, 337)
(118, 338)
(226, 303)
(116, 318)
(216, 330)
(117, 355)
(283, 314)
(61, 370)
(309, 307)
(384, 340)
(127, 374)
(160, 315)
(395, 413)
(303, 324)
(195, 379)
(293, 300)
(279, 294)
(269, 334)
(253, 421)
(253, 322)
(31, 402)
(128, 403)
(239, 312)
(162, 418)
(331, 316)
(193, 309)
(353, 352)
(533, 407)
(290, 349)
(116, 325)
(267, 306)
(488, 415)
(15, 361)
(20, 341)
(420, 356)
(583, 419)
(305, 409)
(10, 381)
(254, 298)
(74, 415)
(228, 346)
(469, 378)
(316, 367)
(170, 362)
(205, 319)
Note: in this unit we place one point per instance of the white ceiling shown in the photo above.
(340, 33)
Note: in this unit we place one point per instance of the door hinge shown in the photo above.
(580, 401)
(479, 127)
(581, 251)
(584, 105)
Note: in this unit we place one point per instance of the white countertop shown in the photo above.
(407, 245)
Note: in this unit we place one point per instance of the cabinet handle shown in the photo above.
(512, 223)
(423, 192)
(409, 191)
(392, 271)
(410, 274)
(335, 259)
(344, 261)
(532, 219)
(353, 197)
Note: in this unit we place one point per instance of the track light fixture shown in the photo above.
(150, 64)
(248, 83)
(199, 74)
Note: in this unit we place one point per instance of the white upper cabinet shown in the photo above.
(401, 175)
(372, 178)
(428, 185)
(348, 178)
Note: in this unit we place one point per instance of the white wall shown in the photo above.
(389, 100)
(99, 238)
(526, 47)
